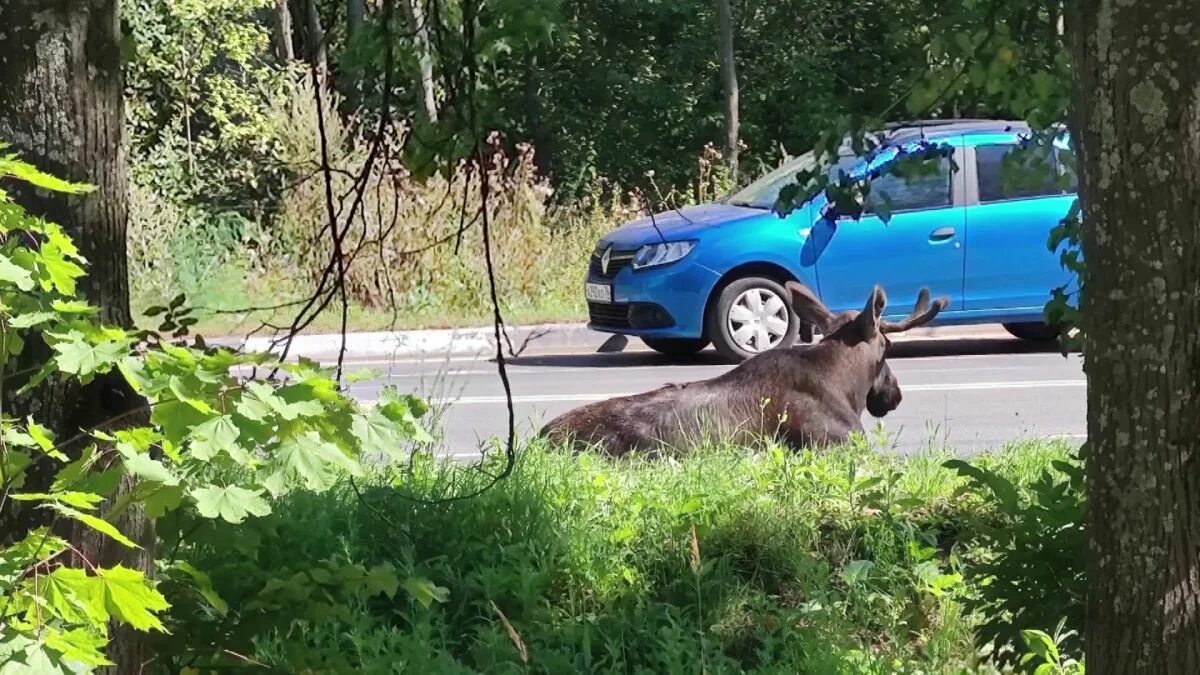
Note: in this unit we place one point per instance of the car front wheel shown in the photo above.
(752, 315)
(676, 347)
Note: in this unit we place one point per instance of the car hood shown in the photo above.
(676, 224)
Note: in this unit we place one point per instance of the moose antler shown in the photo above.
(923, 312)
(809, 307)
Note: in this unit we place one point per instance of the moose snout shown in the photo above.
(880, 403)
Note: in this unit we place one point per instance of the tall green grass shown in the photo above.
(414, 250)
(844, 561)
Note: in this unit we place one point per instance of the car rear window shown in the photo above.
(1005, 174)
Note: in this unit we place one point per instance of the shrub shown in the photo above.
(1029, 556)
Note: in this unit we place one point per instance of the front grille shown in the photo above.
(617, 261)
(608, 315)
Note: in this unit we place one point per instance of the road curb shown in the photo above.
(480, 341)
(442, 342)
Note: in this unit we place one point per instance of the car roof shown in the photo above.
(901, 133)
(905, 131)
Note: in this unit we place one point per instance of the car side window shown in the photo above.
(1006, 174)
(925, 190)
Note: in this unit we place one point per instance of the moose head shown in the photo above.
(804, 396)
(866, 333)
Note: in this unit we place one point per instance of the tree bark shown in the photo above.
(729, 84)
(1135, 123)
(61, 107)
(283, 32)
(415, 16)
(315, 40)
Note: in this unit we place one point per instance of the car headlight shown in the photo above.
(661, 254)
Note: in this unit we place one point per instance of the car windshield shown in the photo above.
(763, 193)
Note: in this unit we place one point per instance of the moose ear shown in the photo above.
(809, 307)
(869, 318)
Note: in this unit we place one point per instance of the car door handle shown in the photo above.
(942, 234)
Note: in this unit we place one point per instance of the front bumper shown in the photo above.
(659, 302)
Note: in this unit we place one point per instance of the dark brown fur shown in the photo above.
(805, 395)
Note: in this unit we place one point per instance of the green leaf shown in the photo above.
(162, 499)
(425, 591)
(176, 420)
(44, 438)
(63, 273)
(288, 411)
(214, 436)
(857, 571)
(32, 175)
(12, 467)
(310, 461)
(73, 595)
(204, 587)
(1000, 486)
(79, 500)
(72, 307)
(15, 343)
(143, 466)
(78, 357)
(45, 371)
(37, 546)
(377, 434)
(20, 655)
(182, 392)
(130, 598)
(231, 503)
(1041, 644)
(80, 645)
(15, 274)
(31, 319)
(103, 483)
(382, 580)
(98, 524)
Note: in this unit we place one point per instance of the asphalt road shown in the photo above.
(964, 394)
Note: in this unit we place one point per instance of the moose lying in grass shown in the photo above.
(805, 396)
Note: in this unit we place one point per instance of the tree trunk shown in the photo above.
(283, 32)
(315, 40)
(729, 84)
(356, 16)
(61, 107)
(543, 157)
(415, 15)
(1136, 126)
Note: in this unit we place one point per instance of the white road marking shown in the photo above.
(950, 386)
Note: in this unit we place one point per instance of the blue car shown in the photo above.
(714, 273)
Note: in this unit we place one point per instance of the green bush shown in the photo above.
(1029, 553)
(844, 561)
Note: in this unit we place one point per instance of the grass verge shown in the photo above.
(728, 561)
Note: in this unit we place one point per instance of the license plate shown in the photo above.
(598, 292)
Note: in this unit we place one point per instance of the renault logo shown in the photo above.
(604, 260)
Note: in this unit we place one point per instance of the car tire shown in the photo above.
(1033, 331)
(722, 325)
(676, 347)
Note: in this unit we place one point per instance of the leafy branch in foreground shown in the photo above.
(220, 444)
